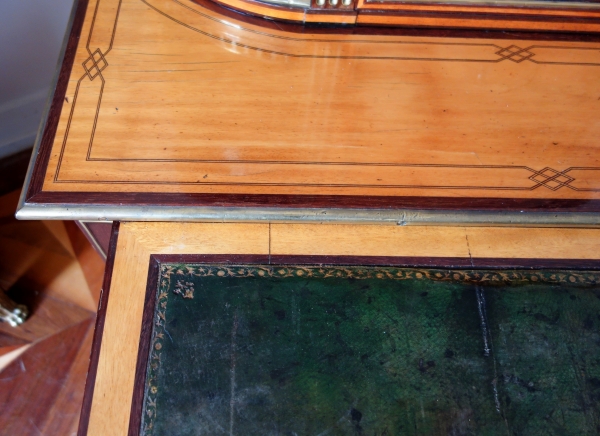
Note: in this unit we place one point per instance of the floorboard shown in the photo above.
(50, 267)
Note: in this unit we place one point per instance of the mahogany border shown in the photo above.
(387, 261)
(317, 201)
(137, 402)
(433, 262)
(90, 381)
(94, 242)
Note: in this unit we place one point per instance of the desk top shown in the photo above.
(179, 110)
(116, 377)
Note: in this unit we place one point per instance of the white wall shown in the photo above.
(31, 35)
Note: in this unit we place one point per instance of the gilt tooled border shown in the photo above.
(185, 290)
(97, 62)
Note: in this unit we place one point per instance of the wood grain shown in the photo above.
(42, 381)
(67, 404)
(33, 384)
(101, 233)
(477, 17)
(140, 242)
(137, 241)
(461, 242)
(350, 240)
(319, 201)
(449, 118)
(433, 262)
(137, 400)
(295, 27)
(472, 6)
(43, 362)
(90, 381)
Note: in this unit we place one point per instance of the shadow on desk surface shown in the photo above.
(373, 351)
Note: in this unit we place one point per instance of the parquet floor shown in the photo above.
(52, 268)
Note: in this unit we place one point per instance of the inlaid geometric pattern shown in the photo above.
(95, 64)
(551, 179)
(515, 54)
(92, 146)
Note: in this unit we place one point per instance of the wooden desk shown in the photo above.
(169, 110)
(112, 404)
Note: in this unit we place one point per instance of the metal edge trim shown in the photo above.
(46, 111)
(299, 4)
(31, 211)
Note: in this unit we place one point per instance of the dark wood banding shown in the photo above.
(98, 332)
(397, 261)
(439, 262)
(137, 401)
(318, 201)
(239, 259)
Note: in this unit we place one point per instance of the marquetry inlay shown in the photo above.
(173, 97)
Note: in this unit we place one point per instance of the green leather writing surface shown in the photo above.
(263, 350)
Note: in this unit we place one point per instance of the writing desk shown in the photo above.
(169, 110)
(477, 149)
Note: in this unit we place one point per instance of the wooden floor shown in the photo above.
(52, 268)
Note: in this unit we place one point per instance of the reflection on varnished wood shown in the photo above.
(207, 104)
(567, 15)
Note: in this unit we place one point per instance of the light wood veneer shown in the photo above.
(114, 381)
(168, 97)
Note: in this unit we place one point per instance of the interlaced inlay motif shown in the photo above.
(551, 179)
(95, 64)
(515, 54)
